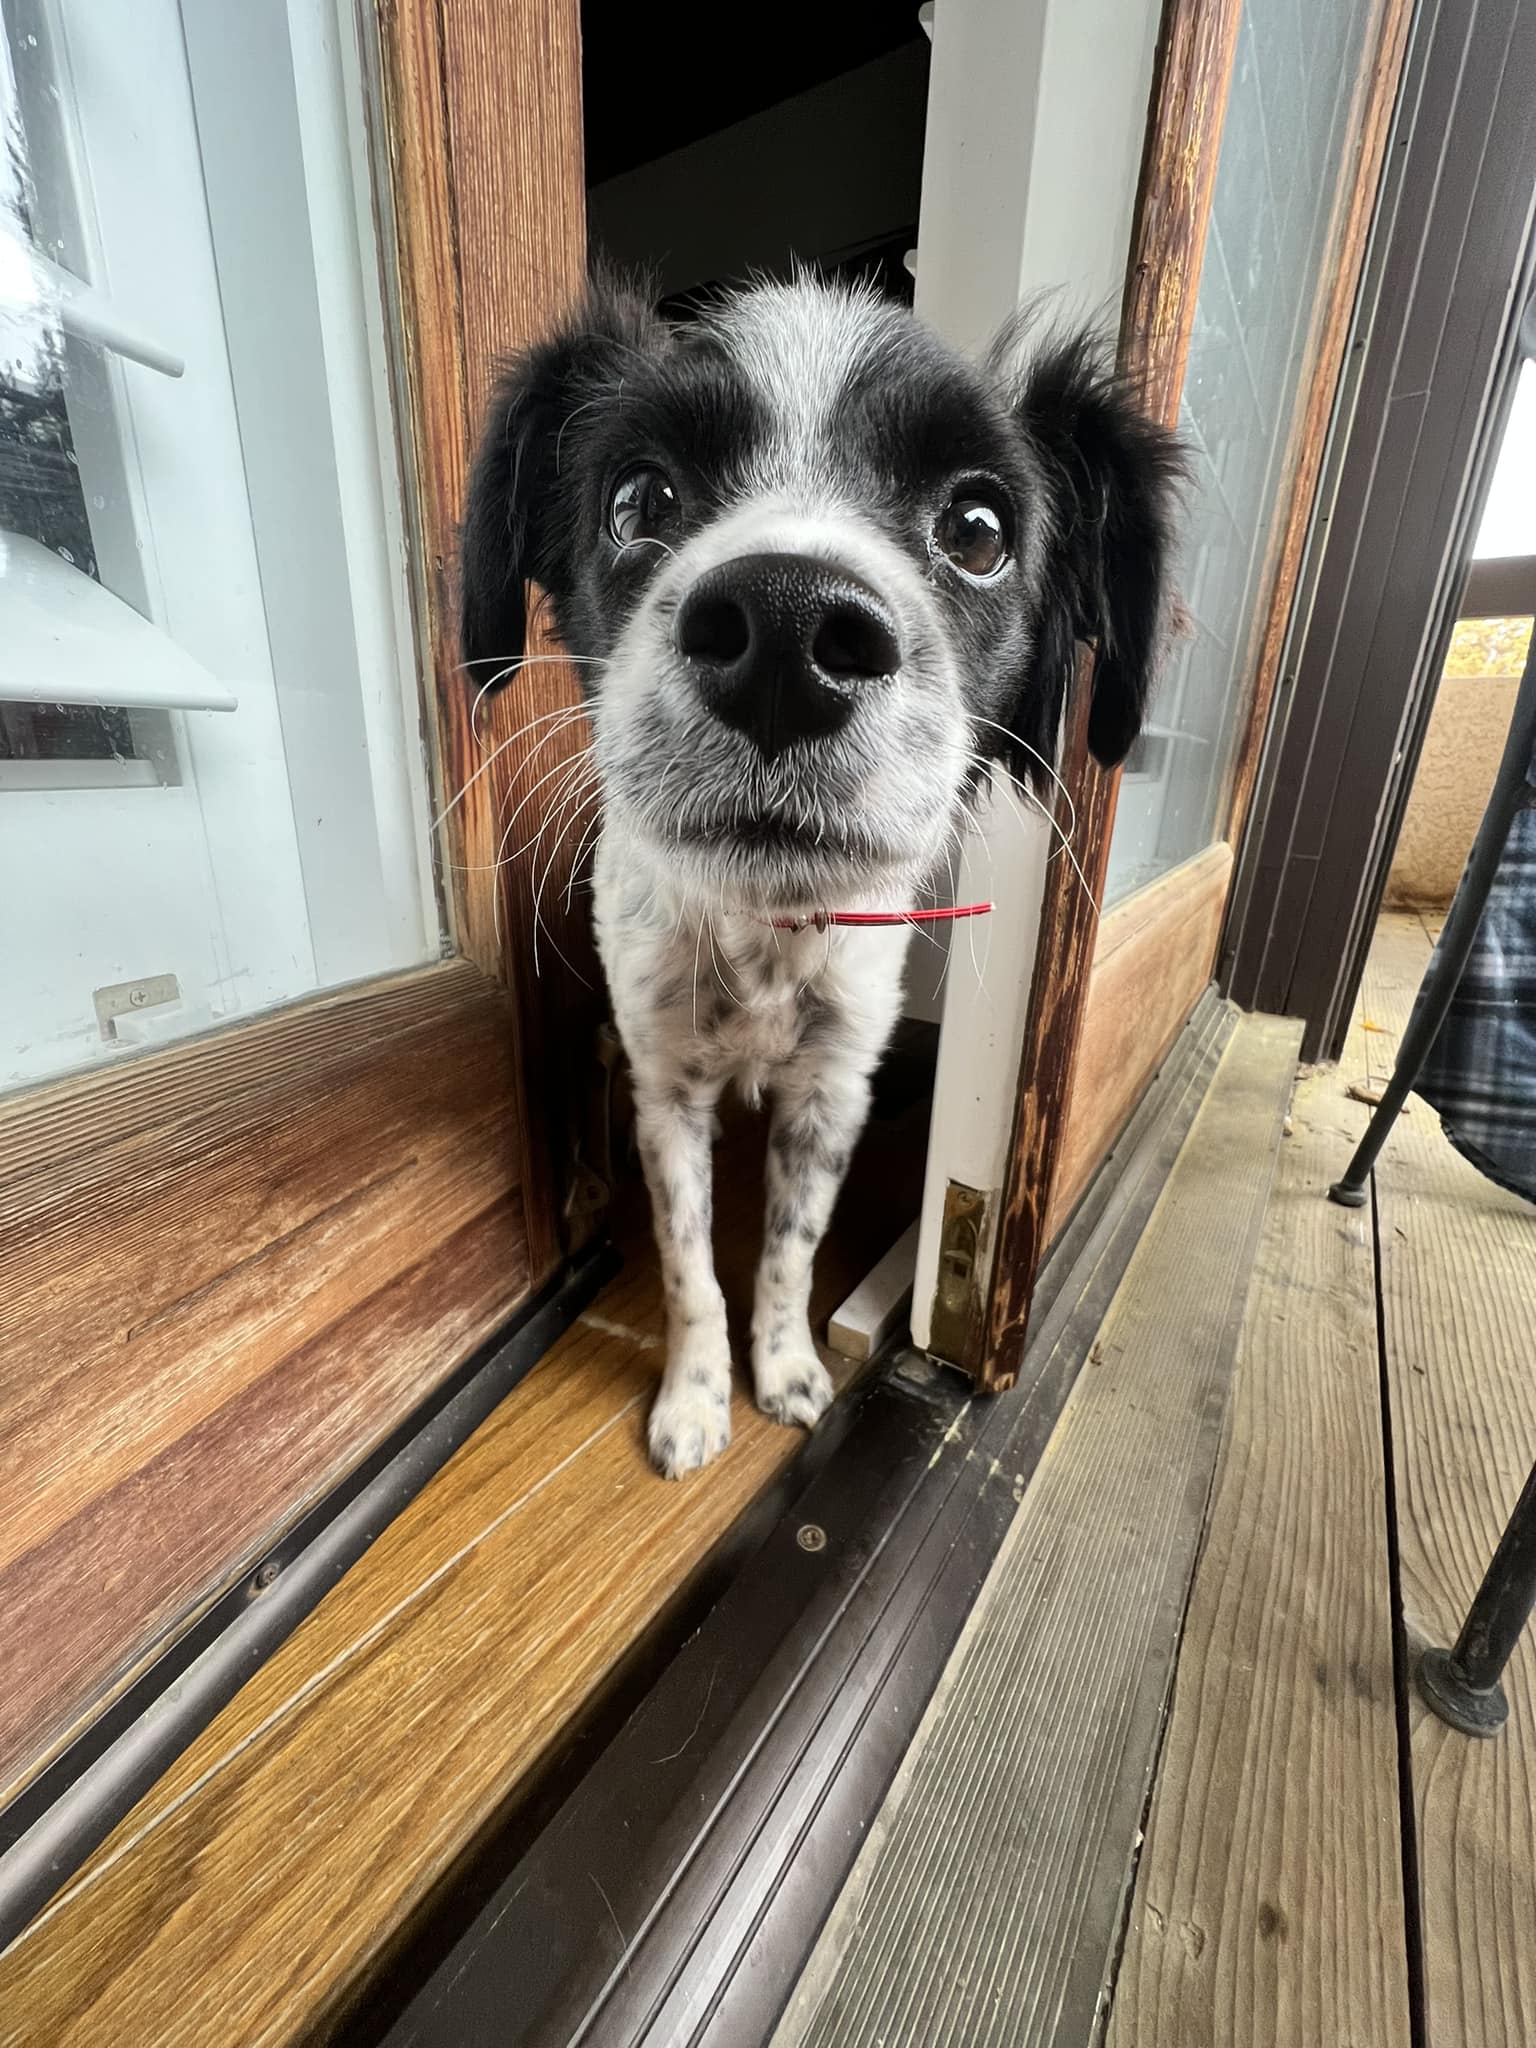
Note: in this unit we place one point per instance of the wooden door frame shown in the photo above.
(1046, 1174)
(335, 1202)
(466, 177)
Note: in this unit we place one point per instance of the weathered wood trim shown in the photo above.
(482, 113)
(227, 1271)
(1189, 98)
(1154, 956)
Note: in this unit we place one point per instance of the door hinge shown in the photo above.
(958, 1308)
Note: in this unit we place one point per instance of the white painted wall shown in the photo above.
(1037, 111)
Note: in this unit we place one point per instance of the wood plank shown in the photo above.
(1269, 1907)
(986, 1905)
(1173, 207)
(250, 1890)
(1458, 1284)
(1153, 959)
(226, 1272)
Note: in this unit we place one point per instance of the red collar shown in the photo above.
(822, 918)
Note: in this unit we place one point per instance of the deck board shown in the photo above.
(250, 1890)
(1268, 1908)
(986, 1903)
(1458, 1270)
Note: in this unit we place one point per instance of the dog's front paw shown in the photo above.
(690, 1423)
(794, 1387)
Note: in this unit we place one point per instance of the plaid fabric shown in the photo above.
(1481, 1070)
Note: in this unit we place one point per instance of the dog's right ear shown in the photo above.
(521, 520)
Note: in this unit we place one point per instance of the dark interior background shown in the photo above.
(718, 144)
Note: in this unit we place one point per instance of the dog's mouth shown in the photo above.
(770, 834)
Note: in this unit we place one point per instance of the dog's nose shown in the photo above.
(782, 645)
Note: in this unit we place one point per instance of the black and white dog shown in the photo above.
(823, 572)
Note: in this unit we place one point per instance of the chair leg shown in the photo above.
(1462, 1684)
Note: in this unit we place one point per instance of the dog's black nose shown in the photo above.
(782, 645)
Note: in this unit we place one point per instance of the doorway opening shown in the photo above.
(805, 152)
(807, 149)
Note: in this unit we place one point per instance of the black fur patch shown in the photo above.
(614, 387)
(1112, 475)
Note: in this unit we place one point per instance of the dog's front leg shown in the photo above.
(691, 1419)
(816, 1123)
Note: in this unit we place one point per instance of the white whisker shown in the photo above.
(1066, 846)
(565, 767)
(1046, 765)
(568, 714)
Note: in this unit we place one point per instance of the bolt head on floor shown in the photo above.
(1467, 1707)
(1346, 1196)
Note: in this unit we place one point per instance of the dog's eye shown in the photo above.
(644, 506)
(971, 534)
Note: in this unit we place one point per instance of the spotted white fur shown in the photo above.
(705, 999)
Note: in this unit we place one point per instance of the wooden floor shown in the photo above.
(248, 1891)
(1382, 1395)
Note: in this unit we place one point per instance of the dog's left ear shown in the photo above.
(1111, 474)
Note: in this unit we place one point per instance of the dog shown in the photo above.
(822, 573)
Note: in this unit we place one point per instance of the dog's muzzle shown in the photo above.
(782, 646)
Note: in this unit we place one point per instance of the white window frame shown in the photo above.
(315, 807)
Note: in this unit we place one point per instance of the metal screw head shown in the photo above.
(137, 998)
(811, 1536)
(266, 1575)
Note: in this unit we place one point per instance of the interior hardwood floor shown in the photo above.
(253, 1888)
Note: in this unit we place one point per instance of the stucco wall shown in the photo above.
(1456, 771)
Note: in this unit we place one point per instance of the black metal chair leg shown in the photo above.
(1511, 792)
(1462, 1684)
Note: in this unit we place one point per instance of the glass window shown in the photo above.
(1289, 126)
(213, 795)
(1509, 517)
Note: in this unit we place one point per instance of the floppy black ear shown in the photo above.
(1111, 473)
(523, 515)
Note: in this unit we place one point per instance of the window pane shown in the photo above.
(1267, 266)
(1509, 517)
(213, 795)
